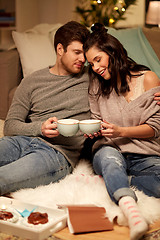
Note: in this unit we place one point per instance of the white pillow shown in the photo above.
(35, 48)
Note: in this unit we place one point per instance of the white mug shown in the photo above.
(90, 126)
(68, 127)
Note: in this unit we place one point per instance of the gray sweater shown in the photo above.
(42, 95)
(117, 110)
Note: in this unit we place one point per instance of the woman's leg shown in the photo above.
(110, 163)
(145, 172)
(38, 164)
(137, 224)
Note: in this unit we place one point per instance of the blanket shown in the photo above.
(84, 187)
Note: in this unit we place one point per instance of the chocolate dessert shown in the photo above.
(4, 215)
(38, 218)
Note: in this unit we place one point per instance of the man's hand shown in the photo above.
(49, 128)
(157, 97)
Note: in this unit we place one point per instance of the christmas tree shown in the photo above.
(107, 12)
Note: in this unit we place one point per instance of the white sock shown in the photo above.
(137, 224)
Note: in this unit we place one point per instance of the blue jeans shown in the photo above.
(115, 167)
(28, 162)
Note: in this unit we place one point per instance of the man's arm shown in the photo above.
(17, 122)
(17, 119)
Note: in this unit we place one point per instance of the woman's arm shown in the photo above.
(151, 80)
(112, 131)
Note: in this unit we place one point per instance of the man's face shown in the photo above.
(72, 61)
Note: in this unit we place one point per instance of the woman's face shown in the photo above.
(99, 61)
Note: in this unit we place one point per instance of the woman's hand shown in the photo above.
(110, 130)
(49, 128)
(93, 135)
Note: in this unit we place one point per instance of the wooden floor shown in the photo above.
(119, 233)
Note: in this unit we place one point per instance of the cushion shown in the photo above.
(138, 47)
(35, 47)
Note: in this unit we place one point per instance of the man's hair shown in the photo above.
(69, 32)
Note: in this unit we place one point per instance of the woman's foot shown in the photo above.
(137, 224)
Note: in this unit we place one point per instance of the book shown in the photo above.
(83, 219)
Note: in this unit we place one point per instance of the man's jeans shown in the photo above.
(144, 171)
(29, 162)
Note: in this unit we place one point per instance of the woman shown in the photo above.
(127, 153)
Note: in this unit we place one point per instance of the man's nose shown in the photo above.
(82, 58)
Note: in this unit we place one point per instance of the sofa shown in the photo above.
(14, 62)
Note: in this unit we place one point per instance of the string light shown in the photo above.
(111, 21)
(116, 8)
(94, 2)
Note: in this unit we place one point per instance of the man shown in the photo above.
(33, 152)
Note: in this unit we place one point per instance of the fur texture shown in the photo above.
(83, 187)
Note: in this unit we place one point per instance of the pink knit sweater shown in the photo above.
(117, 110)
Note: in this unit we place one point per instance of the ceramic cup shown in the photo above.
(68, 127)
(90, 126)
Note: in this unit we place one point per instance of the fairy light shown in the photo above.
(123, 9)
(111, 20)
(93, 2)
(116, 8)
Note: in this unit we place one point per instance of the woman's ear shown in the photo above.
(60, 49)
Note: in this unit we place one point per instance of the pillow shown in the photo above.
(35, 48)
(138, 47)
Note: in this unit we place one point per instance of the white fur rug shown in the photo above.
(83, 187)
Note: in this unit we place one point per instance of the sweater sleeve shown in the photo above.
(94, 107)
(93, 101)
(16, 122)
(154, 122)
(150, 113)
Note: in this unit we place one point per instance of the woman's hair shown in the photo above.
(69, 32)
(120, 64)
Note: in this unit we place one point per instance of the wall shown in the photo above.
(56, 11)
(32, 12)
(26, 14)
